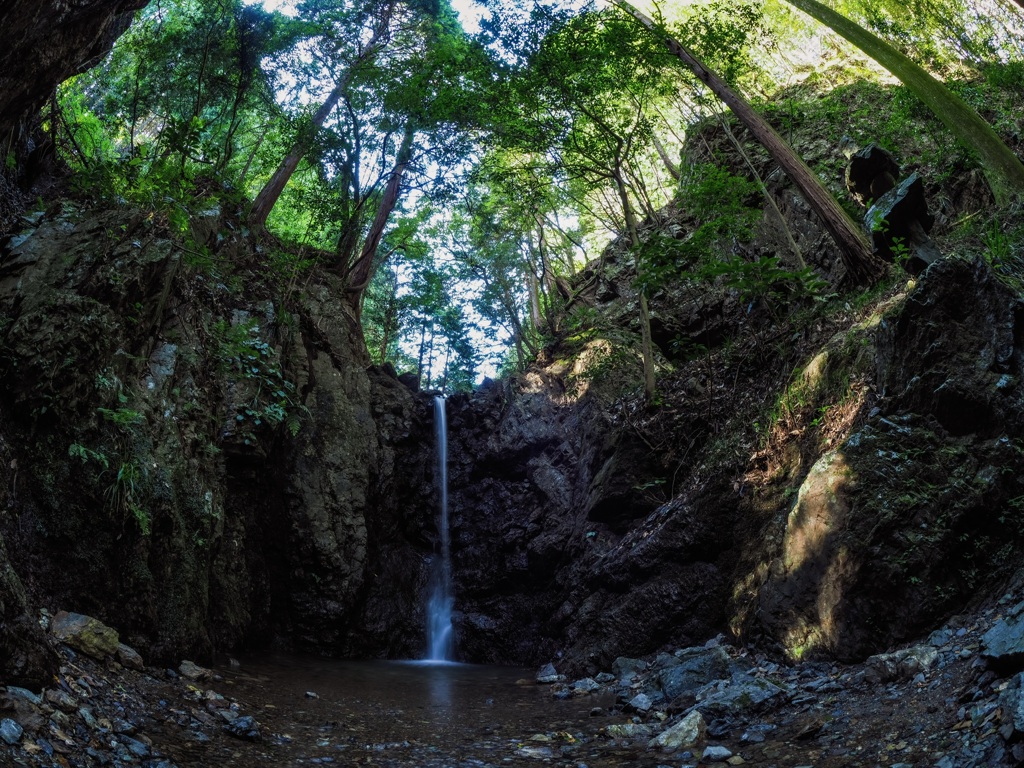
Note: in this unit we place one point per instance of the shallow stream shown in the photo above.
(318, 711)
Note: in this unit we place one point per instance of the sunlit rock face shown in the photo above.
(918, 512)
(46, 42)
(806, 583)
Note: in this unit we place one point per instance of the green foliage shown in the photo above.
(124, 494)
(725, 35)
(765, 277)
(270, 397)
(122, 418)
(86, 454)
(720, 203)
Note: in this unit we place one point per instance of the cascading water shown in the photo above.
(440, 636)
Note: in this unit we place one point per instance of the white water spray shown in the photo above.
(440, 636)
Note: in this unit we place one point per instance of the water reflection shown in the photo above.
(414, 713)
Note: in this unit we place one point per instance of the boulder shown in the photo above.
(245, 728)
(716, 754)
(871, 173)
(1003, 645)
(547, 674)
(696, 668)
(628, 731)
(129, 657)
(898, 224)
(192, 671)
(640, 703)
(623, 665)
(1011, 702)
(586, 685)
(742, 694)
(84, 633)
(10, 731)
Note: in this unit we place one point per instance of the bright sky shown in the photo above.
(468, 10)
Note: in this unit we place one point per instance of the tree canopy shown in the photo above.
(460, 183)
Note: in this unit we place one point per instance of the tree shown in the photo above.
(862, 266)
(578, 107)
(377, 18)
(1003, 170)
(180, 92)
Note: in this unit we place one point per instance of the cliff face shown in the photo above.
(47, 42)
(197, 457)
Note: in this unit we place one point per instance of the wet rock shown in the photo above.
(547, 674)
(696, 668)
(245, 728)
(623, 666)
(1003, 645)
(640, 703)
(84, 633)
(192, 671)
(689, 731)
(10, 731)
(129, 657)
(604, 678)
(900, 665)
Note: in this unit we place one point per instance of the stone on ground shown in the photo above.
(900, 665)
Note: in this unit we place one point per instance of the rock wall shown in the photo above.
(197, 457)
(918, 512)
(892, 500)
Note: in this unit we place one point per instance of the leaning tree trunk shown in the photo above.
(271, 192)
(862, 266)
(359, 275)
(1002, 168)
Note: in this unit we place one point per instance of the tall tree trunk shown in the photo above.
(1002, 168)
(862, 266)
(646, 344)
(362, 270)
(268, 196)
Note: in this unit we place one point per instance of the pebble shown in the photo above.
(716, 753)
(641, 702)
(25, 694)
(10, 731)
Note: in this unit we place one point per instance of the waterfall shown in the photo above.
(440, 637)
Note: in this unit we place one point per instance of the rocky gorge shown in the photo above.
(805, 551)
